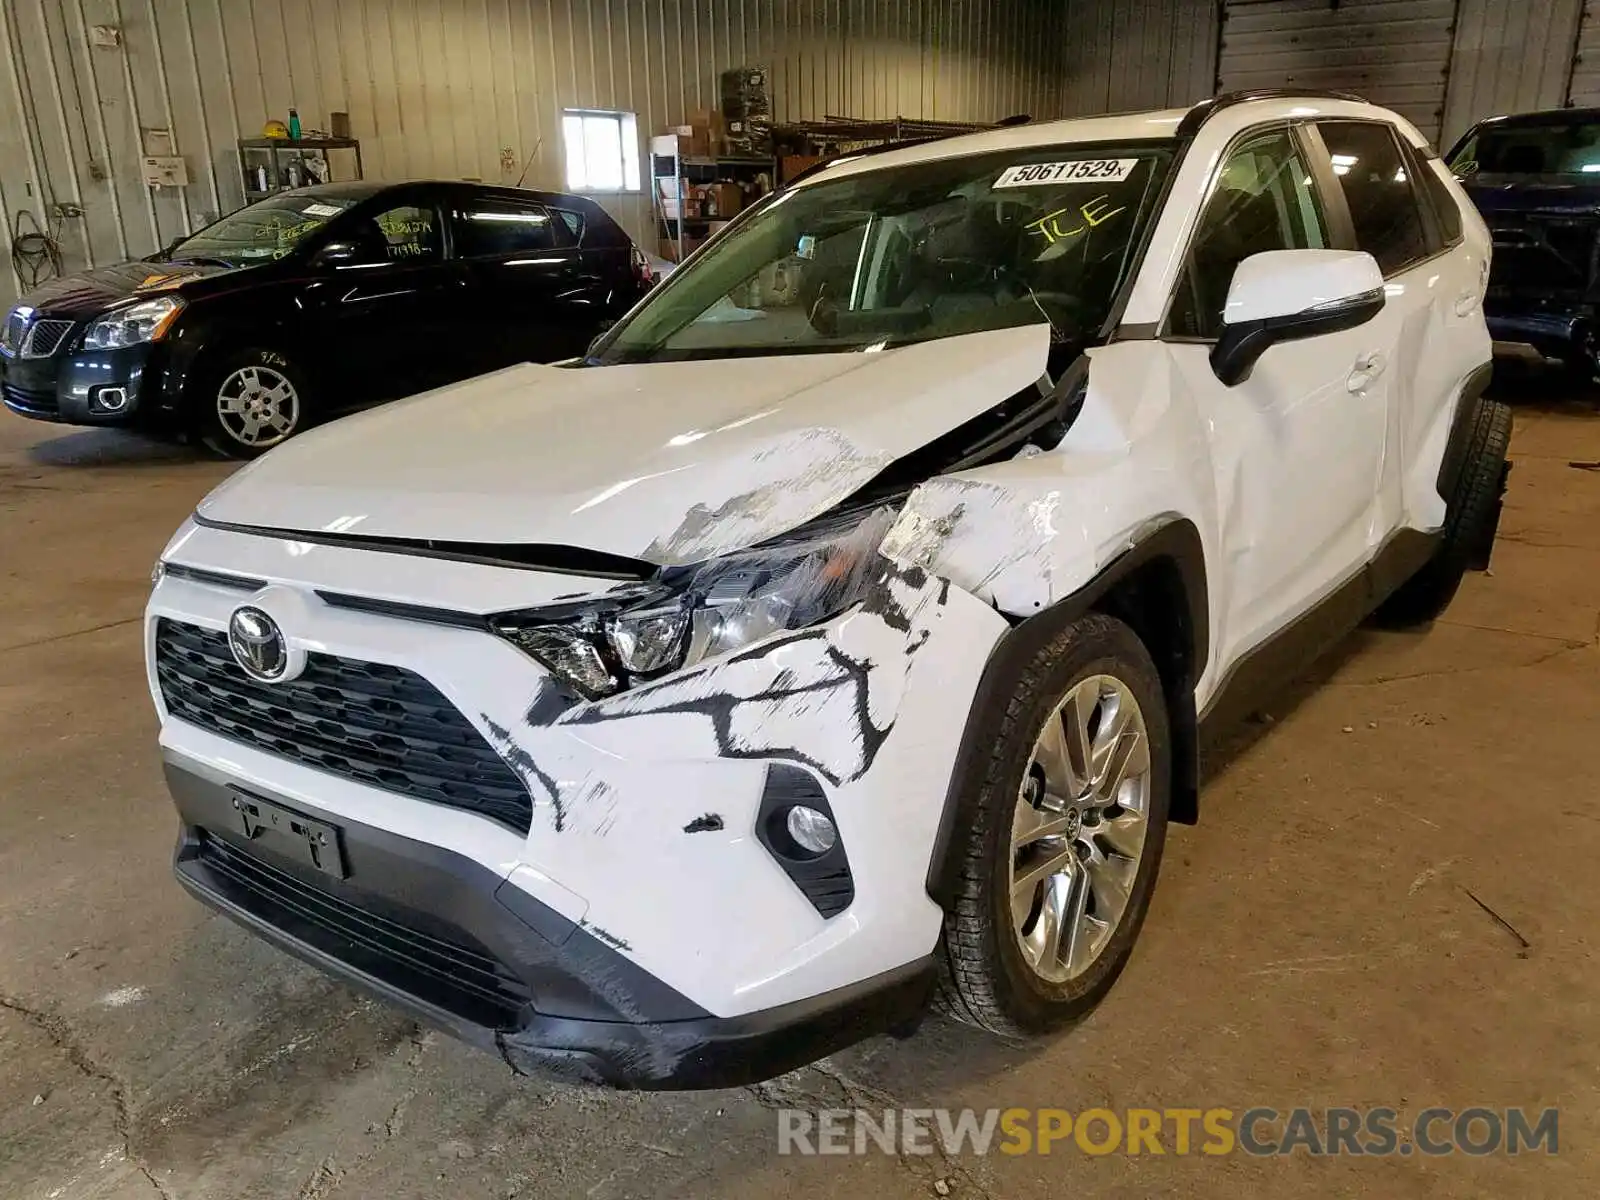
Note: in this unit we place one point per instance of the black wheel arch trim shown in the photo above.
(1459, 441)
(1176, 542)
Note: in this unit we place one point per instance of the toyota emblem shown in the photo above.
(258, 645)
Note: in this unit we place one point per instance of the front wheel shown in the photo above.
(1068, 828)
(249, 402)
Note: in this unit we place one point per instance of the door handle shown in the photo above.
(1368, 367)
(1465, 303)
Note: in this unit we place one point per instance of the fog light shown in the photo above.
(811, 830)
(112, 399)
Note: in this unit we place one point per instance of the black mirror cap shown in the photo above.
(1241, 346)
(335, 253)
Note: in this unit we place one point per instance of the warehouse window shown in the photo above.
(602, 150)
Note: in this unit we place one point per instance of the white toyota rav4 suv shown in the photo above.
(836, 638)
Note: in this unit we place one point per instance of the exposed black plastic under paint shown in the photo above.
(709, 823)
(695, 693)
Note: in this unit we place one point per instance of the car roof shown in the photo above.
(1543, 116)
(365, 189)
(1156, 125)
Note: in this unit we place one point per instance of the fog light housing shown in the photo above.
(811, 830)
(111, 399)
(796, 826)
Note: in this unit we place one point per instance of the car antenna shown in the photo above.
(529, 163)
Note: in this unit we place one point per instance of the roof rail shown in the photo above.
(1206, 109)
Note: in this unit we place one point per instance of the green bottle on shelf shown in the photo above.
(294, 126)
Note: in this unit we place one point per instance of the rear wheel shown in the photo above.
(1471, 516)
(249, 402)
(1067, 836)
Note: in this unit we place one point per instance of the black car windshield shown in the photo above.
(1559, 146)
(267, 229)
(910, 253)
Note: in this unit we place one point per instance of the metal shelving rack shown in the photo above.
(670, 166)
(276, 155)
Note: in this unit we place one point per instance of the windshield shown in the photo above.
(1557, 147)
(909, 254)
(267, 229)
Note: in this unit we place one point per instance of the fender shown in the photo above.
(1173, 549)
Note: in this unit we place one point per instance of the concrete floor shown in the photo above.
(1312, 941)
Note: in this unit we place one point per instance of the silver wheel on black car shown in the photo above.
(1063, 824)
(254, 400)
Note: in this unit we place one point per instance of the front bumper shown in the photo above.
(451, 943)
(1548, 332)
(648, 829)
(98, 387)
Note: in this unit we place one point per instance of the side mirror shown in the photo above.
(1287, 295)
(338, 254)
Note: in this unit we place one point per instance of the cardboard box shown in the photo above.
(791, 165)
(726, 199)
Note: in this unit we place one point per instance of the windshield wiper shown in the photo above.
(202, 260)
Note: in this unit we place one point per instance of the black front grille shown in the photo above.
(370, 722)
(444, 966)
(34, 401)
(45, 338)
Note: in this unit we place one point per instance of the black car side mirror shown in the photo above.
(339, 254)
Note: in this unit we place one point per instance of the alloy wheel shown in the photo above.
(258, 406)
(1078, 830)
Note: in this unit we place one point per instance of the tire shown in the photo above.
(249, 401)
(991, 977)
(1470, 516)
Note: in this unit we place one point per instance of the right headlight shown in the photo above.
(147, 321)
(719, 607)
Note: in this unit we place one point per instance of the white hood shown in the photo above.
(667, 462)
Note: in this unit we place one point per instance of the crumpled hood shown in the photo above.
(670, 462)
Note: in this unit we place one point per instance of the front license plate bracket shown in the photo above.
(292, 834)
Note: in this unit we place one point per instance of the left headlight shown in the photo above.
(805, 577)
(146, 321)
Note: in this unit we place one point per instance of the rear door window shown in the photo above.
(1380, 192)
(495, 228)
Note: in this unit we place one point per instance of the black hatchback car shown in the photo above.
(316, 301)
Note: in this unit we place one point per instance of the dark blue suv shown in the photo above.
(1535, 177)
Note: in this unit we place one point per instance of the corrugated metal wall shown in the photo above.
(1393, 52)
(1511, 55)
(1584, 86)
(455, 88)
(1126, 55)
